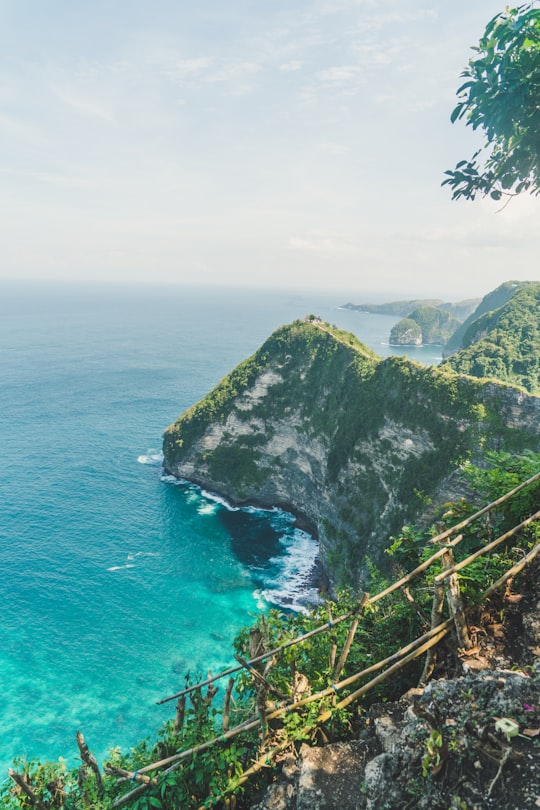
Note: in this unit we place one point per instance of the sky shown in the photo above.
(295, 144)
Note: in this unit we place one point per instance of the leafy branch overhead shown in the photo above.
(501, 96)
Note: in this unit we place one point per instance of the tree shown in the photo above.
(501, 96)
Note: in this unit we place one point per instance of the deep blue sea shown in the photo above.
(115, 582)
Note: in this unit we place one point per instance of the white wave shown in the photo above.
(218, 499)
(151, 458)
(207, 509)
(120, 567)
(292, 586)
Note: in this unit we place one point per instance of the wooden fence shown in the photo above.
(445, 584)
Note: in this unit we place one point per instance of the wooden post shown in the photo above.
(180, 714)
(90, 760)
(256, 648)
(227, 704)
(333, 642)
(455, 604)
(436, 618)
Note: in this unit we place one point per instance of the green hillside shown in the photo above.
(435, 326)
(490, 302)
(504, 343)
(355, 445)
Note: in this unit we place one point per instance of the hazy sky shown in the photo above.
(297, 143)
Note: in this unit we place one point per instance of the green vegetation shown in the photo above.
(305, 339)
(316, 422)
(493, 300)
(306, 669)
(500, 97)
(432, 326)
(459, 309)
(505, 344)
(399, 308)
(406, 332)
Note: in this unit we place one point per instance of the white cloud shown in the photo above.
(292, 66)
(324, 244)
(334, 148)
(87, 107)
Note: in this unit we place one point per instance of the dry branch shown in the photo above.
(23, 785)
(90, 760)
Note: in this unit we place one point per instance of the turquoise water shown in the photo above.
(114, 582)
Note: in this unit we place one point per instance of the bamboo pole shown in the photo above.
(418, 570)
(435, 634)
(485, 549)
(432, 637)
(232, 670)
(135, 776)
(175, 759)
(260, 679)
(512, 571)
(386, 674)
(325, 716)
(487, 508)
(350, 638)
(333, 642)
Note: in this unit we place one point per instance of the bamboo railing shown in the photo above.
(447, 581)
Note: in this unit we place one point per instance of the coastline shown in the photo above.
(317, 578)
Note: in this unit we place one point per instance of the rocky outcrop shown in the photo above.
(438, 748)
(353, 444)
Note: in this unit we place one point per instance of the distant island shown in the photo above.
(493, 330)
(459, 310)
(426, 321)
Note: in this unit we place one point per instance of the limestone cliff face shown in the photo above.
(317, 423)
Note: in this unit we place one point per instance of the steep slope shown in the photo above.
(505, 343)
(489, 303)
(355, 445)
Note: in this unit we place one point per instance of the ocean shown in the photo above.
(116, 581)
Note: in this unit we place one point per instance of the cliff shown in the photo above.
(489, 303)
(504, 342)
(355, 445)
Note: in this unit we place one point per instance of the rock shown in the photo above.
(392, 766)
